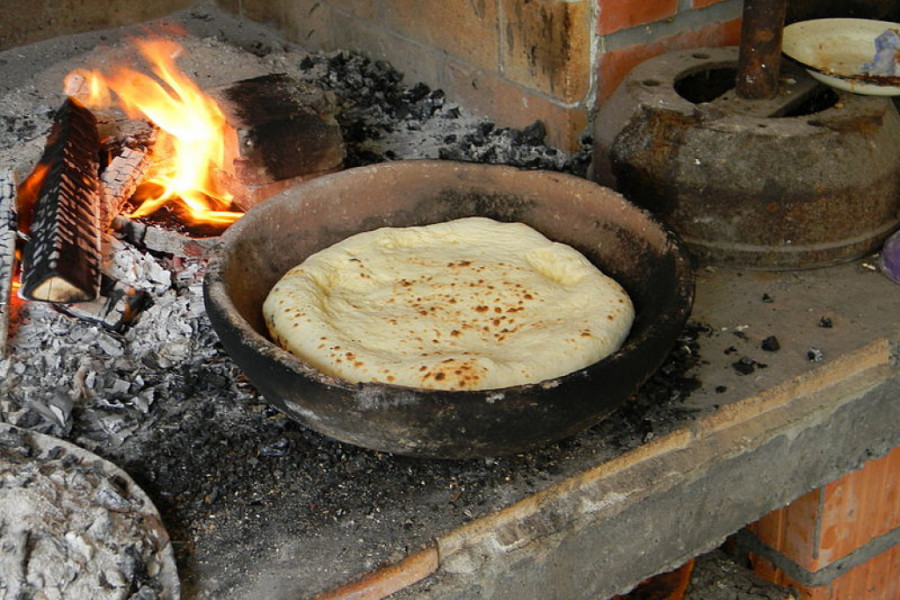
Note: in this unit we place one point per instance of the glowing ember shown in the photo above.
(27, 195)
(192, 143)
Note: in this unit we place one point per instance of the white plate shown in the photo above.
(834, 51)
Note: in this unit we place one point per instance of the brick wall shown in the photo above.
(28, 21)
(514, 61)
(838, 542)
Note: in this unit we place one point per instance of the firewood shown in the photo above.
(119, 180)
(285, 129)
(61, 259)
(162, 240)
(8, 232)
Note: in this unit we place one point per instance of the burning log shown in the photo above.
(61, 260)
(119, 181)
(8, 232)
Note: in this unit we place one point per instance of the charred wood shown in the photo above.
(119, 180)
(61, 259)
(115, 308)
(285, 130)
(8, 234)
(163, 241)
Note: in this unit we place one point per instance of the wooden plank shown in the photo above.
(61, 261)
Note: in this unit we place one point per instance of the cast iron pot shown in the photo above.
(622, 240)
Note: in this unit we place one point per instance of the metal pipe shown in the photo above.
(759, 60)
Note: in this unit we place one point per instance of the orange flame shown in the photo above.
(27, 195)
(192, 130)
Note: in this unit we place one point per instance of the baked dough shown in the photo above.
(468, 304)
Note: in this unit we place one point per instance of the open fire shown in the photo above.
(194, 139)
(132, 154)
(93, 170)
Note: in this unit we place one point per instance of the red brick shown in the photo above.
(875, 579)
(547, 46)
(615, 65)
(830, 522)
(623, 14)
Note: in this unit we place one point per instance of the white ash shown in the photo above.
(140, 270)
(74, 527)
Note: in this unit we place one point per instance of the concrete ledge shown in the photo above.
(565, 541)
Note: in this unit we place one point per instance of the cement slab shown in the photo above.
(761, 438)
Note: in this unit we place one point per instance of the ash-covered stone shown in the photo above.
(73, 527)
(815, 355)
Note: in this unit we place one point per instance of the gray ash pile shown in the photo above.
(75, 526)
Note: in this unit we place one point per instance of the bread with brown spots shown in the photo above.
(468, 304)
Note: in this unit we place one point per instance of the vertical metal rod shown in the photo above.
(760, 53)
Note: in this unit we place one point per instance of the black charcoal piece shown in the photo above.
(770, 344)
(747, 365)
(744, 366)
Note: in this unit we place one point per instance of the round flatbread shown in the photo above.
(469, 304)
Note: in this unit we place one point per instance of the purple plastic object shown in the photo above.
(890, 258)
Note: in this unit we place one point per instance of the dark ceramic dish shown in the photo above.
(622, 240)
